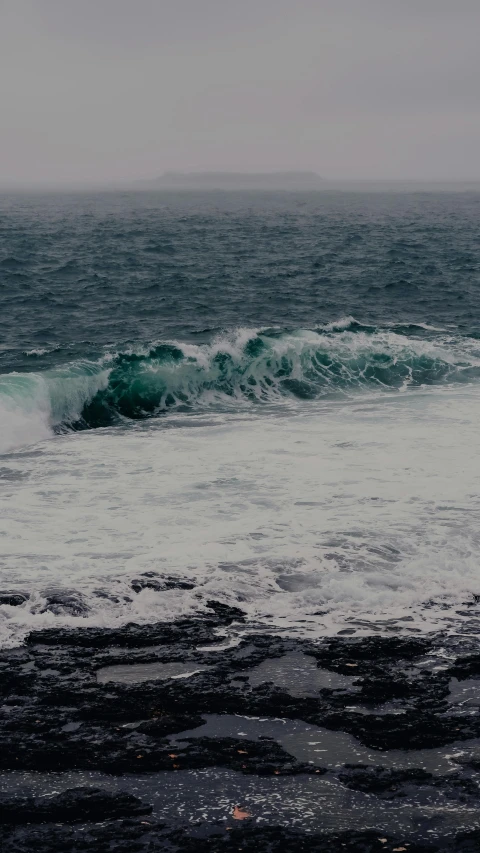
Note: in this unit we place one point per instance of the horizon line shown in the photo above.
(140, 182)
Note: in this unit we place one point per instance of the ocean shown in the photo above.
(270, 399)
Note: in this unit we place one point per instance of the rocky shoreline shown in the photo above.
(205, 735)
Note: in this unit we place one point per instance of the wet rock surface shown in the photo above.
(152, 580)
(13, 598)
(209, 736)
(75, 805)
(136, 836)
(64, 602)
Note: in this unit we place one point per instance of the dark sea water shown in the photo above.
(312, 339)
(82, 272)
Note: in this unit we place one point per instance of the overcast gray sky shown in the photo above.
(106, 90)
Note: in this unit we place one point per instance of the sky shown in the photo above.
(120, 90)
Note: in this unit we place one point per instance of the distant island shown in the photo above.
(239, 181)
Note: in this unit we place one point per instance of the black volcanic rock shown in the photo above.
(158, 583)
(149, 836)
(56, 715)
(74, 805)
(65, 602)
(13, 598)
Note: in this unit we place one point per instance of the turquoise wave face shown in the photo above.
(242, 368)
(267, 368)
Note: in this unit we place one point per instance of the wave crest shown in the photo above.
(268, 365)
(247, 366)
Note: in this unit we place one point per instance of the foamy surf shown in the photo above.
(332, 516)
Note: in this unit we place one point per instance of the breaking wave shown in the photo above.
(244, 367)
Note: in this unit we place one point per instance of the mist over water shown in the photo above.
(273, 395)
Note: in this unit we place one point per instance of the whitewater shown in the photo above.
(302, 483)
(270, 402)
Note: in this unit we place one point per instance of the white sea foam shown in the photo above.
(313, 520)
(340, 325)
(24, 411)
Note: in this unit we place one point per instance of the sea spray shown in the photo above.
(33, 405)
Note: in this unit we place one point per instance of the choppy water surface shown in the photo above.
(273, 396)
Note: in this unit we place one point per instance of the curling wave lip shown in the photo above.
(236, 369)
